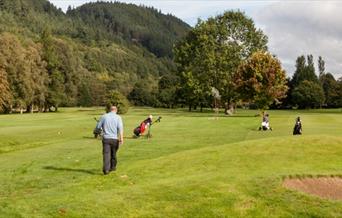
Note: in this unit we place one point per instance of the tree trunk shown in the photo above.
(229, 108)
(226, 108)
(190, 107)
(29, 108)
(45, 107)
(40, 108)
(201, 107)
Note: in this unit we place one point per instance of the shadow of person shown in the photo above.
(89, 137)
(92, 172)
(128, 137)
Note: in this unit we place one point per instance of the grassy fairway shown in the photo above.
(194, 166)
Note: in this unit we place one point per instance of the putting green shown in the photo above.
(193, 166)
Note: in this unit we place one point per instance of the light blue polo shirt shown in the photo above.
(111, 125)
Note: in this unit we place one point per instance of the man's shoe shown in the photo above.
(113, 169)
(105, 172)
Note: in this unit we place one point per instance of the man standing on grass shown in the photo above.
(112, 127)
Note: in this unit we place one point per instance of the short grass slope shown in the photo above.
(193, 166)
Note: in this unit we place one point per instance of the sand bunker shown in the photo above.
(324, 187)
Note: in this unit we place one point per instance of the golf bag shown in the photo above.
(97, 132)
(142, 127)
(138, 131)
(297, 129)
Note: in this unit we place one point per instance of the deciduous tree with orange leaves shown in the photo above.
(261, 80)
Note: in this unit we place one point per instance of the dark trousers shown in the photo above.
(110, 147)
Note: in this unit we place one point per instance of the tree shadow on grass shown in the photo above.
(92, 171)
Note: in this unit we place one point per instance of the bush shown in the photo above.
(119, 100)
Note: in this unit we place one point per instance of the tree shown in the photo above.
(15, 64)
(261, 80)
(5, 91)
(91, 91)
(68, 66)
(37, 76)
(56, 90)
(193, 81)
(308, 94)
(142, 94)
(167, 90)
(330, 88)
(310, 69)
(338, 100)
(304, 71)
(216, 100)
(119, 100)
(321, 66)
(69, 9)
(329, 84)
(300, 68)
(211, 52)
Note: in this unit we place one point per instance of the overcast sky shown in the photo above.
(293, 27)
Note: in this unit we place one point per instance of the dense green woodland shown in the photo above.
(100, 51)
(307, 90)
(50, 59)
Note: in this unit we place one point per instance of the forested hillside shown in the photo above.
(50, 59)
(148, 27)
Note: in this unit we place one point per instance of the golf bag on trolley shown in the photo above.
(138, 131)
(142, 127)
(97, 132)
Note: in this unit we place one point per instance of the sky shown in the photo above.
(294, 28)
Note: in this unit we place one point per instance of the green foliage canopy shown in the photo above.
(117, 99)
(308, 95)
(211, 52)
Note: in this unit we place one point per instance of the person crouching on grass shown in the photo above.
(265, 124)
(112, 127)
